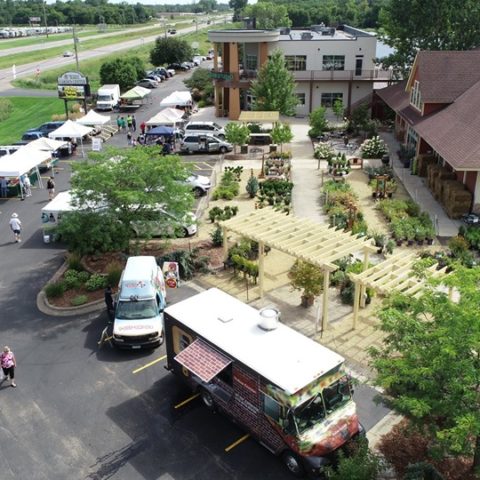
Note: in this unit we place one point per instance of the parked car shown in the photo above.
(199, 184)
(172, 31)
(471, 219)
(32, 135)
(210, 128)
(48, 127)
(162, 71)
(178, 66)
(156, 78)
(201, 143)
(147, 83)
(171, 71)
(68, 53)
(187, 65)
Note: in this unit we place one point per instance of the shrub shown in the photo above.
(55, 290)
(306, 277)
(217, 236)
(71, 279)
(79, 300)
(114, 272)
(324, 151)
(318, 122)
(6, 108)
(373, 148)
(189, 262)
(83, 276)
(252, 186)
(74, 262)
(96, 282)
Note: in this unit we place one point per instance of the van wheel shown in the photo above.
(207, 399)
(198, 192)
(292, 462)
(223, 150)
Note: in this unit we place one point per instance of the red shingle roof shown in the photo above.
(454, 132)
(395, 96)
(202, 360)
(445, 75)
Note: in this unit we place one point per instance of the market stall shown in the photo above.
(56, 148)
(94, 119)
(134, 98)
(72, 130)
(168, 116)
(160, 134)
(182, 99)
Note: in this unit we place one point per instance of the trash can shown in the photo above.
(244, 149)
(386, 159)
(273, 147)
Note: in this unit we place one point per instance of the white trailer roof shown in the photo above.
(283, 356)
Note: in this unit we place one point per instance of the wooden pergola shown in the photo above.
(301, 238)
(259, 116)
(395, 274)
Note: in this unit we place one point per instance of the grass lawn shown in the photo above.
(28, 113)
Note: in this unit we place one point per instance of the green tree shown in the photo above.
(118, 71)
(236, 134)
(201, 82)
(238, 6)
(274, 88)
(338, 108)
(430, 361)
(206, 5)
(268, 15)
(170, 50)
(410, 26)
(139, 66)
(132, 184)
(281, 133)
(318, 122)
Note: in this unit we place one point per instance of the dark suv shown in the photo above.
(49, 127)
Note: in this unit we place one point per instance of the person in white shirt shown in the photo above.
(16, 226)
(27, 186)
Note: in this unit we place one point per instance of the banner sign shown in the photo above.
(171, 274)
(221, 75)
(72, 78)
(72, 92)
(97, 144)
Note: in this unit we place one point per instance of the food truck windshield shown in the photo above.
(137, 310)
(315, 409)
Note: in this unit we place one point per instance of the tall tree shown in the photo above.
(170, 50)
(410, 26)
(281, 133)
(430, 362)
(238, 6)
(268, 15)
(274, 88)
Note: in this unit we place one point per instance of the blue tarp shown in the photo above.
(160, 130)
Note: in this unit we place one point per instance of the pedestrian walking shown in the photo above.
(134, 123)
(129, 137)
(129, 121)
(119, 122)
(51, 188)
(123, 123)
(27, 186)
(4, 187)
(16, 227)
(8, 364)
(143, 126)
(109, 302)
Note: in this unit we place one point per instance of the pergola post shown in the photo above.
(356, 303)
(363, 287)
(326, 283)
(261, 269)
(225, 243)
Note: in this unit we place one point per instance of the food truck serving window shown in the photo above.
(271, 408)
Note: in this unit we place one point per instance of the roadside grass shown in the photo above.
(28, 112)
(91, 68)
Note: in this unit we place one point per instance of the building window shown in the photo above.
(301, 99)
(328, 99)
(296, 62)
(358, 66)
(251, 62)
(333, 62)
(415, 96)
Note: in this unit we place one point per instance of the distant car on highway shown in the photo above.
(172, 31)
(68, 53)
(147, 83)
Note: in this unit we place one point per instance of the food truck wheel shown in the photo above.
(293, 463)
(207, 399)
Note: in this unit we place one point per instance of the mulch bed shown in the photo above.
(66, 298)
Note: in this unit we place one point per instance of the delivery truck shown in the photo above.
(287, 391)
(108, 97)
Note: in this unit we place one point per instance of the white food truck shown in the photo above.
(108, 97)
(288, 391)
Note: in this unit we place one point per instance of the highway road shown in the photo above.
(6, 75)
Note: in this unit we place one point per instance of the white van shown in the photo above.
(139, 306)
(201, 143)
(108, 97)
(210, 128)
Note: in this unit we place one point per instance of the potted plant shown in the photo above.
(308, 278)
(429, 234)
(398, 232)
(419, 234)
(380, 240)
(409, 234)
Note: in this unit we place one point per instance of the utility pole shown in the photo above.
(45, 18)
(75, 42)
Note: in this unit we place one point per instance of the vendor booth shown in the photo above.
(134, 98)
(100, 124)
(168, 116)
(72, 130)
(182, 99)
(160, 134)
(56, 148)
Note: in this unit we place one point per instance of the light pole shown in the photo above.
(45, 18)
(75, 46)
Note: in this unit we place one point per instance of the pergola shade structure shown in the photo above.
(301, 238)
(259, 117)
(395, 274)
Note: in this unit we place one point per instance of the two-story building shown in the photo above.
(437, 115)
(327, 63)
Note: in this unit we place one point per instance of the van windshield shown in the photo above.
(104, 98)
(136, 310)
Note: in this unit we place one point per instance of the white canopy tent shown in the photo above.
(168, 116)
(94, 118)
(47, 145)
(181, 98)
(23, 161)
(72, 130)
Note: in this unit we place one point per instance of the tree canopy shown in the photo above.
(124, 71)
(170, 50)
(130, 185)
(236, 133)
(274, 88)
(430, 362)
(268, 15)
(410, 26)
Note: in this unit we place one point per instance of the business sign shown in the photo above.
(34, 19)
(171, 273)
(97, 144)
(72, 92)
(221, 76)
(73, 86)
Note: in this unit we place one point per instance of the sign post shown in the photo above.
(73, 86)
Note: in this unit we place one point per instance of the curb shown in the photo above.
(45, 307)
